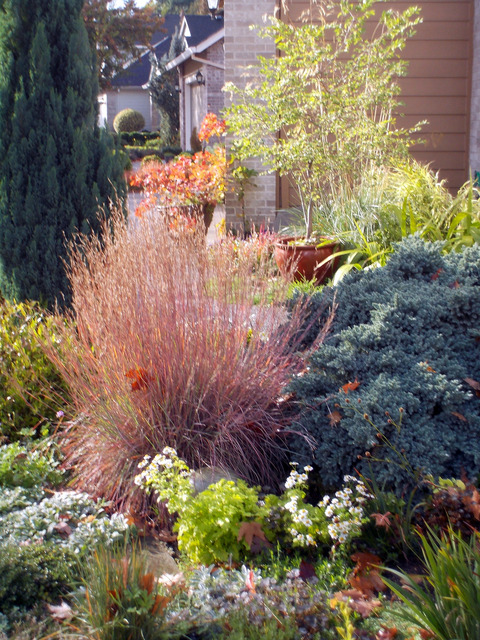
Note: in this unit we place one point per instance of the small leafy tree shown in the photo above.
(324, 108)
(118, 34)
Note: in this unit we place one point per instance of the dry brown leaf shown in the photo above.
(357, 601)
(249, 530)
(386, 633)
(334, 417)
(350, 386)
(250, 582)
(62, 611)
(382, 519)
(472, 503)
(368, 583)
(459, 416)
(63, 529)
(474, 384)
(364, 560)
(366, 574)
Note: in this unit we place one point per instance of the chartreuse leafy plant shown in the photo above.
(31, 388)
(22, 466)
(223, 522)
(447, 603)
(394, 390)
(331, 93)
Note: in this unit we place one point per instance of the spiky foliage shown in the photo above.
(170, 351)
(398, 383)
(56, 166)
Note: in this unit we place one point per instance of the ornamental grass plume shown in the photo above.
(169, 350)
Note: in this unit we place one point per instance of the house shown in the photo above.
(201, 72)
(442, 85)
(130, 87)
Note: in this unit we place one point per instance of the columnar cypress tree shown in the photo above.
(56, 166)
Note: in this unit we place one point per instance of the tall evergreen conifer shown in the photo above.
(56, 166)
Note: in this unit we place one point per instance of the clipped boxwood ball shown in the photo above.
(128, 120)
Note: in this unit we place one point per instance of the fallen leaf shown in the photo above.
(63, 529)
(382, 519)
(62, 611)
(350, 386)
(248, 530)
(259, 544)
(386, 633)
(357, 601)
(368, 583)
(472, 502)
(425, 634)
(474, 384)
(364, 560)
(250, 582)
(140, 378)
(366, 576)
(334, 417)
(437, 274)
(459, 416)
(307, 571)
(455, 285)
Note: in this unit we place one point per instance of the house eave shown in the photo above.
(199, 48)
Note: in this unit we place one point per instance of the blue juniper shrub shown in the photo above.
(409, 334)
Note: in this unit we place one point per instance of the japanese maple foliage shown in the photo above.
(189, 184)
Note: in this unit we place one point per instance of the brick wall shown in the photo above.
(475, 104)
(214, 78)
(241, 49)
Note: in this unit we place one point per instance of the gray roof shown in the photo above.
(201, 28)
(138, 72)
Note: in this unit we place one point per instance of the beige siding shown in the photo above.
(438, 85)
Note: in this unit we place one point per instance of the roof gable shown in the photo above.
(137, 73)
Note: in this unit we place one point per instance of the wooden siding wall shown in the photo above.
(438, 84)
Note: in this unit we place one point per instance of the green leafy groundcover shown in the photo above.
(394, 390)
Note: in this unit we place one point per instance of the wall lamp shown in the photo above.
(199, 77)
(213, 7)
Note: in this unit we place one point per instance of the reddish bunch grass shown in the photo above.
(169, 350)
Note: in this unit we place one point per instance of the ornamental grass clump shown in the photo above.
(169, 351)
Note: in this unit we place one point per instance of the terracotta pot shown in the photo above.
(303, 259)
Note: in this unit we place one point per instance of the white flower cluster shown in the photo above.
(88, 524)
(168, 476)
(345, 509)
(300, 516)
(296, 478)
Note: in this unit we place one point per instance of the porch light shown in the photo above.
(213, 7)
(199, 77)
